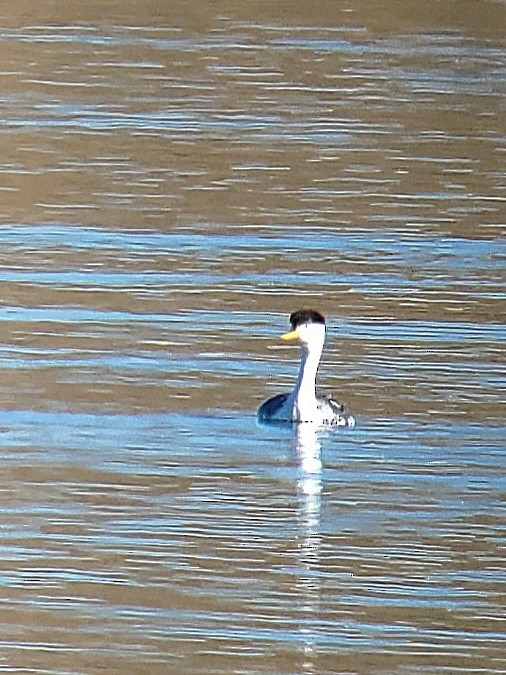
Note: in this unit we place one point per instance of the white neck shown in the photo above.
(304, 394)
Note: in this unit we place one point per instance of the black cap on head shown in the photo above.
(306, 316)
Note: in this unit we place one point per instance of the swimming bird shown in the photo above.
(303, 404)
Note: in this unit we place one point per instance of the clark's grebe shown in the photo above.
(303, 404)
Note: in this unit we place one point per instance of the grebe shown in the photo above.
(303, 404)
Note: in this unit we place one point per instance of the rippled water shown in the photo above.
(172, 185)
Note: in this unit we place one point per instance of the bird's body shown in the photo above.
(303, 404)
(280, 408)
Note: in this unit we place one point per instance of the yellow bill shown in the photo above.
(292, 335)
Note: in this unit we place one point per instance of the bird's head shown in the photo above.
(308, 327)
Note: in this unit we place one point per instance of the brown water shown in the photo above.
(175, 180)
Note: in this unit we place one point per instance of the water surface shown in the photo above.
(172, 185)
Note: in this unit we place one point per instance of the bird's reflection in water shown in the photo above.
(309, 488)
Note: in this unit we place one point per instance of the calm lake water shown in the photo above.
(174, 182)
